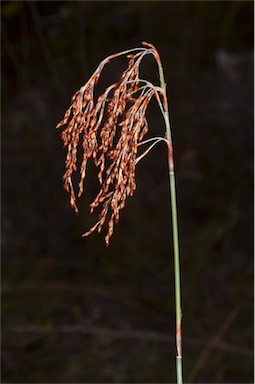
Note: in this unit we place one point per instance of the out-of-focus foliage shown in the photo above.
(69, 305)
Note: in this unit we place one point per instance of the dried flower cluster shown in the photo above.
(110, 128)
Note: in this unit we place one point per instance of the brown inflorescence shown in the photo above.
(110, 130)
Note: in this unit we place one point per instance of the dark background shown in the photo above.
(72, 310)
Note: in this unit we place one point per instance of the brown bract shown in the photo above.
(110, 129)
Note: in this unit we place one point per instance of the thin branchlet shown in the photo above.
(110, 128)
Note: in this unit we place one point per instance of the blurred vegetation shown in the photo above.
(73, 311)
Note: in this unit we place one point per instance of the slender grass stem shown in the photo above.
(124, 112)
(175, 234)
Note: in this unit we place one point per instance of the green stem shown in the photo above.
(175, 234)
